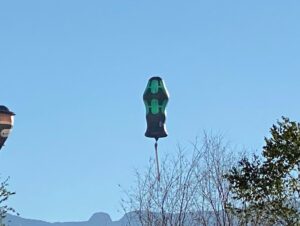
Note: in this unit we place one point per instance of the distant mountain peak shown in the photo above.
(100, 217)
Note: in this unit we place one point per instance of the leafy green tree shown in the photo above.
(4, 195)
(268, 187)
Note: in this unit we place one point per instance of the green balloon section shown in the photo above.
(156, 98)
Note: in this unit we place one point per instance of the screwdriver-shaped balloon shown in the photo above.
(156, 98)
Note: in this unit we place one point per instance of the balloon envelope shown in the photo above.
(156, 99)
(6, 123)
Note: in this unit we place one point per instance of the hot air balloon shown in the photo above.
(6, 123)
(156, 98)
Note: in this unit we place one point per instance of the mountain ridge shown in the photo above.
(97, 219)
(104, 219)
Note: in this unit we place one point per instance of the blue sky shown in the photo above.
(74, 73)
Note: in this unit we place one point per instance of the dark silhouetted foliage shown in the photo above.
(268, 187)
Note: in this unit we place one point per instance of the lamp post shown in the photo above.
(6, 123)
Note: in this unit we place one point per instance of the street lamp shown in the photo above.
(6, 123)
